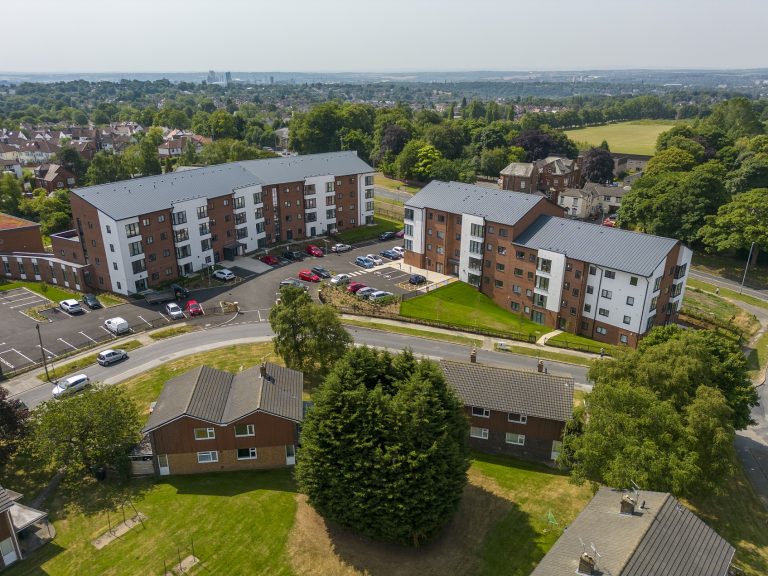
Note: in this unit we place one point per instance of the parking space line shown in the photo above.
(60, 309)
(24, 356)
(201, 308)
(89, 338)
(44, 350)
(259, 313)
(67, 343)
(145, 322)
(108, 332)
(163, 315)
(4, 361)
(31, 297)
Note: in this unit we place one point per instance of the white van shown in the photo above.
(117, 325)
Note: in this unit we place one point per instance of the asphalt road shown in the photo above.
(145, 358)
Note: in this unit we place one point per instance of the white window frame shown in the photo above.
(250, 430)
(520, 438)
(477, 432)
(485, 412)
(211, 455)
(523, 419)
(210, 433)
(252, 454)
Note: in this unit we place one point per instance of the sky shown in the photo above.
(380, 35)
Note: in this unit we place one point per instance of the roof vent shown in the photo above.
(628, 505)
(586, 564)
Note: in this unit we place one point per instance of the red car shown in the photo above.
(609, 223)
(194, 308)
(400, 234)
(308, 276)
(271, 260)
(314, 251)
(355, 286)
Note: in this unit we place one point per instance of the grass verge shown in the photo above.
(726, 293)
(582, 343)
(414, 332)
(627, 137)
(381, 224)
(758, 357)
(171, 332)
(80, 363)
(719, 312)
(730, 267)
(546, 354)
(383, 182)
(461, 305)
(53, 293)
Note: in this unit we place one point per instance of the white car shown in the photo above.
(224, 274)
(71, 306)
(174, 311)
(117, 325)
(71, 384)
(375, 259)
(339, 248)
(340, 279)
(399, 249)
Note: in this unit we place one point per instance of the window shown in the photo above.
(163, 236)
(577, 274)
(477, 230)
(114, 265)
(627, 319)
(134, 248)
(205, 244)
(592, 270)
(500, 267)
(489, 247)
(207, 457)
(590, 289)
(109, 229)
(543, 264)
(205, 433)
(258, 213)
(330, 214)
(240, 218)
(429, 231)
(161, 218)
(516, 289)
(587, 307)
(517, 418)
(540, 300)
(310, 203)
(633, 281)
(542, 283)
(603, 312)
(369, 180)
(601, 330)
(166, 253)
(409, 213)
(145, 222)
(514, 438)
(623, 339)
(245, 430)
(481, 412)
(408, 230)
(657, 284)
(575, 292)
(241, 233)
(630, 301)
(257, 198)
(610, 274)
(149, 239)
(515, 306)
(179, 217)
(607, 294)
(476, 432)
(183, 252)
(152, 258)
(503, 232)
(680, 271)
(502, 250)
(246, 453)
(225, 202)
(498, 283)
(475, 247)
(329, 187)
(520, 255)
(203, 229)
(168, 271)
(139, 266)
(202, 212)
(131, 230)
(440, 234)
(519, 272)
(181, 235)
(652, 307)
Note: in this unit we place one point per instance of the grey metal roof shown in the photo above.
(129, 198)
(500, 206)
(518, 391)
(296, 168)
(522, 169)
(662, 538)
(221, 398)
(612, 248)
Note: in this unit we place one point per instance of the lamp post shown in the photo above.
(749, 258)
(42, 352)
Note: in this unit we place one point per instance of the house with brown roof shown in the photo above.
(52, 177)
(637, 533)
(513, 412)
(19, 527)
(208, 420)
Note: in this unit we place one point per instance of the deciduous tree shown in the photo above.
(739, 223)
(598, 165)
(13, 424)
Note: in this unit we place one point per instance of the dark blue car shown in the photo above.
(391, 254)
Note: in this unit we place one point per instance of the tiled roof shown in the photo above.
(519, 391)
(500, 206)
(5, 500)
(612, 248)
(662, 537)
(600, 190)
(8, 222)
(221, 397)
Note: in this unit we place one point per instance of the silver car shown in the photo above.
(174, 311)
(111, 356)
(70, 385)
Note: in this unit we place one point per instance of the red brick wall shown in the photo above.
(26, 239)
(157, 241)
(86, 219)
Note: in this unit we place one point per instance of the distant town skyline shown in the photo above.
(383, 36)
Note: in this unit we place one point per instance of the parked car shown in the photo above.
(293, 255)
(271, 260)
(224, 274)
(314, 251)
(111, 356)
(379, 295)
(609, 223)
(375, 259)
(174, 292)
(355, 286)
(71, 306)
(613, 217)
(117, 325)
(174, 311)
(322, 272)
(364, 262)
(391, 254)
(399, 250)
(365, 292)
(340, 279)
(308, 276)
(400, 233)
(70, 385)
(91, 301)
(417, 279)
(339, 248)
(293, 282)
(386, 236)
(194, 308)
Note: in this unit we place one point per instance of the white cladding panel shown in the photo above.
(467, 220)
(650, 295)
(323, 223)
(555, 275)
(417, 238)
(197, 257)
(362, 201)
(118, 241)
(251, 240)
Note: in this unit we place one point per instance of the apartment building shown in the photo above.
(608, 284)
(140, 233)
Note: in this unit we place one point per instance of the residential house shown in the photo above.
(19, 525)
(207, 420)
(608, 284)
(577, 202)
(13, 166)
(520, 177)
(52, 177)
(629, 162)
(607, 199)
(557, 173)
(513, 412)
(9, 152)
(38, 151)
(637, 534)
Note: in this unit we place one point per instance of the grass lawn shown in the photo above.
(704, 305)
(547, 355)
(461, 305)
(582, 343)
(758, 357)
(731, 268)
(414, 332)
(370, 232)
(382, 181)
(629, 137)
(49, 291)
(57, 371)
(171, 332)
(725, 292)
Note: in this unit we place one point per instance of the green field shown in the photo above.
(362, 233)
(628, 137)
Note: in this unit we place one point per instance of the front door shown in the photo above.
(162, 464)
(557, 447)
(290, 455)
(8, 551)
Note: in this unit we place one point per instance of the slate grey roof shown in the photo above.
(5, 500)
(522, 169)
(518, 391)
(500, 206)
(612, 248)
(221, 398)
(601, 190)
(129, 198)
(663, 538)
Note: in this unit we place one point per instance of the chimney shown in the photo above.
(586, 564)
(628, 504)
(263, 370)
(473, 356)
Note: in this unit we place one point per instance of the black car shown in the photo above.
(386, 236)
(417, 279)
(91, 301)
(322, 272)
(293, 255)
